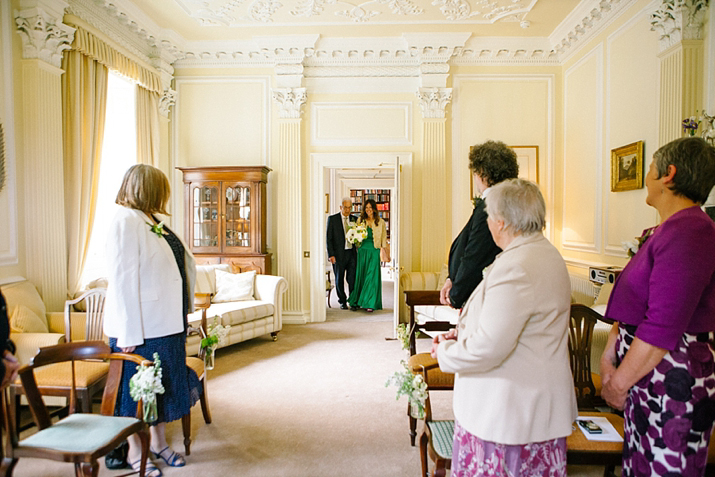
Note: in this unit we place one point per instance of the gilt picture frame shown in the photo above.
(627, 167)
(528, 159)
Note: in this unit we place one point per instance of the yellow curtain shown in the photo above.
(148, 131)
(84, 104)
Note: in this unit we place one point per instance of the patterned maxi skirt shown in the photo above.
(474, 457)
(669, 413)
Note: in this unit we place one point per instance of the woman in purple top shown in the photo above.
(659, 363)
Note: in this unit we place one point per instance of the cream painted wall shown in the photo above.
(610, 99)
(221, 121)
(13, 262)
(515, 109)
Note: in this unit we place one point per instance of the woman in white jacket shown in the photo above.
(514, 400)
(150, 292)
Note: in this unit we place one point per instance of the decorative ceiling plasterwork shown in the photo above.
(334, 57)
(583, 23)
(238, 13)
(677, 20)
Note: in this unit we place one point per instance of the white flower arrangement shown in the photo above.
(356, 234)
(403, 334)
(630, 246)
(217, 333)
(145, 385)
(411, 385)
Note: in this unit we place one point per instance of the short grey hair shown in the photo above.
(519, 204)
(346, 199)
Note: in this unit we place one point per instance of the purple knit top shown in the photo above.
(668, 287)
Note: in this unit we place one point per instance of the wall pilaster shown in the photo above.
(679, 24)
(44, 37)
(433, 102)
(287, 173)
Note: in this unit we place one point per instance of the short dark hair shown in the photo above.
(494, 162)
(144, 188)
(694, 161)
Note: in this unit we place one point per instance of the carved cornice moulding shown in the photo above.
(167, 101)
(43, 34)
(128, 25)
(583, 23)
(678, 20)
(291, 101)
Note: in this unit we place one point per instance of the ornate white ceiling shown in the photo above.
(236, 13)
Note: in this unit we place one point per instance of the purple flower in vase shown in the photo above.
(690, 126)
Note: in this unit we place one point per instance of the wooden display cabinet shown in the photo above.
(225, 218)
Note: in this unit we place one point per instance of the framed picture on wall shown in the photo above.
(528, 159)
(627, 167)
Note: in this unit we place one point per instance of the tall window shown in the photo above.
(119, 153)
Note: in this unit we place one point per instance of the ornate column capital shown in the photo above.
(167, 101)
(43, 34)
(678, 20)
(291, 101)
(433, 102)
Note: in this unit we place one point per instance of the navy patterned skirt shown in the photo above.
(181, 384)
(669, 413)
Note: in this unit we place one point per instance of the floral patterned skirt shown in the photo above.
(474, 457)
(669, 413)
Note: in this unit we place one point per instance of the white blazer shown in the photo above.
(144, 293)
(513, 381)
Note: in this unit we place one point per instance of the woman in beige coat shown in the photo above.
(514, 400)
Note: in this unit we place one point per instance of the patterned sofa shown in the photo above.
(258, 315)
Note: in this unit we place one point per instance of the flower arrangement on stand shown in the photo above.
(145, 385)
(692, 124)
(413, 386)
(217, 333)
(403, 334)
(356, 234)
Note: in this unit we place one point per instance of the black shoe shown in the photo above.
(343, 306)
(354, 308)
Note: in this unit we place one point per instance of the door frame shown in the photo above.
(319, 164)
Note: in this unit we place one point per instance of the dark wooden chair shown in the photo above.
(79, 438)
(201, 301)
(415, 298)
(438, 435)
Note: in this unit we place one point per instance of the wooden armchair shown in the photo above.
(201, 301)
(78, 438)
(87, 378)
(415, 298)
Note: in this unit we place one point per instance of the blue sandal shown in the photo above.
(173, 459)
(151, 469)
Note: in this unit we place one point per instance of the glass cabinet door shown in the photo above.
(237, 207)
(205, 216)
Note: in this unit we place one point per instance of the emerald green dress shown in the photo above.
(367, 292)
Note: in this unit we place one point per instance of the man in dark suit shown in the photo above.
(474, 249)
(342, 254)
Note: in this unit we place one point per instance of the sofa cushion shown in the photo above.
(232, 287)
(24, 320)
(24, 293)
(425, 313)
(234, 313)
(206, 277)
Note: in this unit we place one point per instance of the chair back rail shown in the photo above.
(94, 304)
(581, 323)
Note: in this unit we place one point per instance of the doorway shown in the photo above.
(332, 176)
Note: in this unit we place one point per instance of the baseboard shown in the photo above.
(294, 318)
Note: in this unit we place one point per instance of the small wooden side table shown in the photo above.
(581, 451)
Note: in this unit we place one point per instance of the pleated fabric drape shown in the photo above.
(84, 105)
(148, 131)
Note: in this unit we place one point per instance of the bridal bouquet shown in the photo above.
(357, 234)
(145, 385)
(216, 334)
(413, 386)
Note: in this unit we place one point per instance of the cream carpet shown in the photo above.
(312, 404)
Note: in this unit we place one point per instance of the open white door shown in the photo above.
(395, 247)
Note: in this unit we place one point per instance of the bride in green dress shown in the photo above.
(367, 292)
